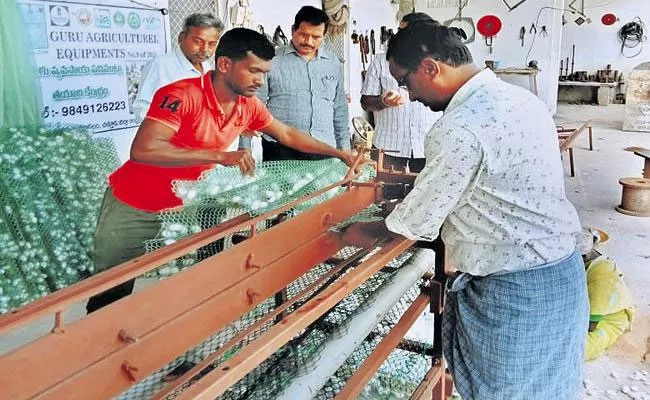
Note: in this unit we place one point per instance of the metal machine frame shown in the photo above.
(105, 353)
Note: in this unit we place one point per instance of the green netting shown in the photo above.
(51, 185)
(20, 93)
(223, 193)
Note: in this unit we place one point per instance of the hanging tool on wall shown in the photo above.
(510, 8)
(543, 32)
(533, 29)
(279, 38)
(489, 26)
(608, 19)
(355, 35)
(363, 50)
(260, 29)
(632, 35)
(463, 26)
(372, 42)
(522, 35)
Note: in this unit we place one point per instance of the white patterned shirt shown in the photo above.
(494, 181)
(401, 128)
(161, 71)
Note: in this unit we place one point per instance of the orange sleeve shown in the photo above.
(260, 115)
(169, 105)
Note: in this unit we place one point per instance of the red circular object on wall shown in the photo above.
(488, 25)
(608, 19)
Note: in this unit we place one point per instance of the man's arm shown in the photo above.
(373, 96)
(152, 145)
(454, 160)
(341, 115)
(292, 137)
(378, 103)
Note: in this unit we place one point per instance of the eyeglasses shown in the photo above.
(403, 81)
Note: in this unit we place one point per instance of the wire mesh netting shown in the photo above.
(223, 193)
(51, 186)
(180, 9)
(397, 378)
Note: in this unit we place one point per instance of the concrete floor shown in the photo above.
(595, 192)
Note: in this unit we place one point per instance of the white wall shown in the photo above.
(597, 45)
(506, 46)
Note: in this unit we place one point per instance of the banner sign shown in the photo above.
(90, 57)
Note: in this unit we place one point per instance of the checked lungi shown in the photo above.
(518, 335)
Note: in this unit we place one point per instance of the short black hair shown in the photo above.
(237, 42)
(417, 17)
(312, 16)
(411, 45)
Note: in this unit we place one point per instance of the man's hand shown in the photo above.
(392, 99)
(349, 158)
(366, 234)
(241, 158)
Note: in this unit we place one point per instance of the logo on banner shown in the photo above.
(59, 16)
(152, 22)
(118, 18)
(133, 20)
(102, 18)
(84, 17)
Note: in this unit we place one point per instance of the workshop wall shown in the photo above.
(270, 14)
(507, 47)
(364, 16)
(598, 45)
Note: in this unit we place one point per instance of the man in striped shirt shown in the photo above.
(400, 125)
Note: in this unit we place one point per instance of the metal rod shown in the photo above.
(566, 69)
(573, 57)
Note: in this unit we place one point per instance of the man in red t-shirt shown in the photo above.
(188, 128)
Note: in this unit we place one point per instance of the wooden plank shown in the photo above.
(566, 142)
(516, 71)
(587, 84)
(172, 387)
(218, 381)
(27, 371)
(161, 345)
(425, 390)
(367, 370)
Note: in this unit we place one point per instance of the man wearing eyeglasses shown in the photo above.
(517, 313)
(400, 125)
